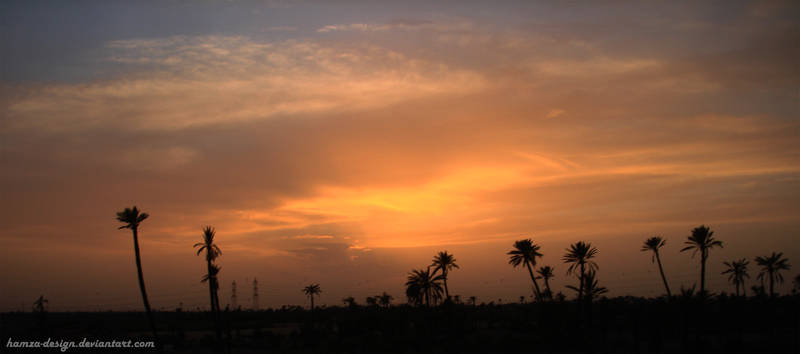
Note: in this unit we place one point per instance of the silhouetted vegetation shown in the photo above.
(702, 240)
(131, 217)
(654, 244)
(694, 321)
(771, 267)
(525, 253)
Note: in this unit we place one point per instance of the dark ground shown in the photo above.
(619, 325)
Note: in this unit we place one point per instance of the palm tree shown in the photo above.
(311, 290)
(702, 240)
(212, 252)
(591, 289)
(771, 266)
(213, 284)
(131, 217)
(444, 262)
(796, 284)
(385, 299)
(653, 244)
(546, 273)
(40, 304)
(737, 271)
(525, 252)
(423, 286)
(580, 256)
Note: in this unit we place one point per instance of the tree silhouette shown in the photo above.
(525, 253)
(131, 217)
(702, 240)
(653, 244)
(796, 284)
(546, 273)
(591, 287)
(213, 284)
(40, 304)
(350, 302)
(444, 262)
(771, 266)
(310, 291)
(212, 252)
(423, 286)
(385, 299)
(579, 255)
(473, 300)
(737, 271)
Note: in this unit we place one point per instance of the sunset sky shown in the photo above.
(346, 142)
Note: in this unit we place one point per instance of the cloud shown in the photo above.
(221, 80)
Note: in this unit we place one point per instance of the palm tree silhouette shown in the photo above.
(525, 252)
(796, 284)
(40, 304)
(444, 262)
(131, 217)
(546, 273)
(213, 284)
(737, 271)
(653, 244)
(473, 300)
(591, 289)
(212, 252)
(423, 286)
(580, 256)
(702, 240)
(385, 299)
(312, 290)
(771, 266)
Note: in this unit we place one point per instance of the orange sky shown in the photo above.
(348, 151)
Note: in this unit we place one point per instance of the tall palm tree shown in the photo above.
(423, 286)
(131, 217)
(737, 271)
(385, 299)
(212, 252)
(653, 244)
(311, 290)
(580, 256)
(546, 273)
(444, 262)
(772, 266)
(702, 240)
(525, 253)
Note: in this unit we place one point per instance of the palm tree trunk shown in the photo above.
(312, 302)
(703, 274)
(535, 284)
(211, 281)
(444, 278)
(771, 285)
(547, 288)
(580, 287)
(141, 285)
(744, 289)
(664, 278)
